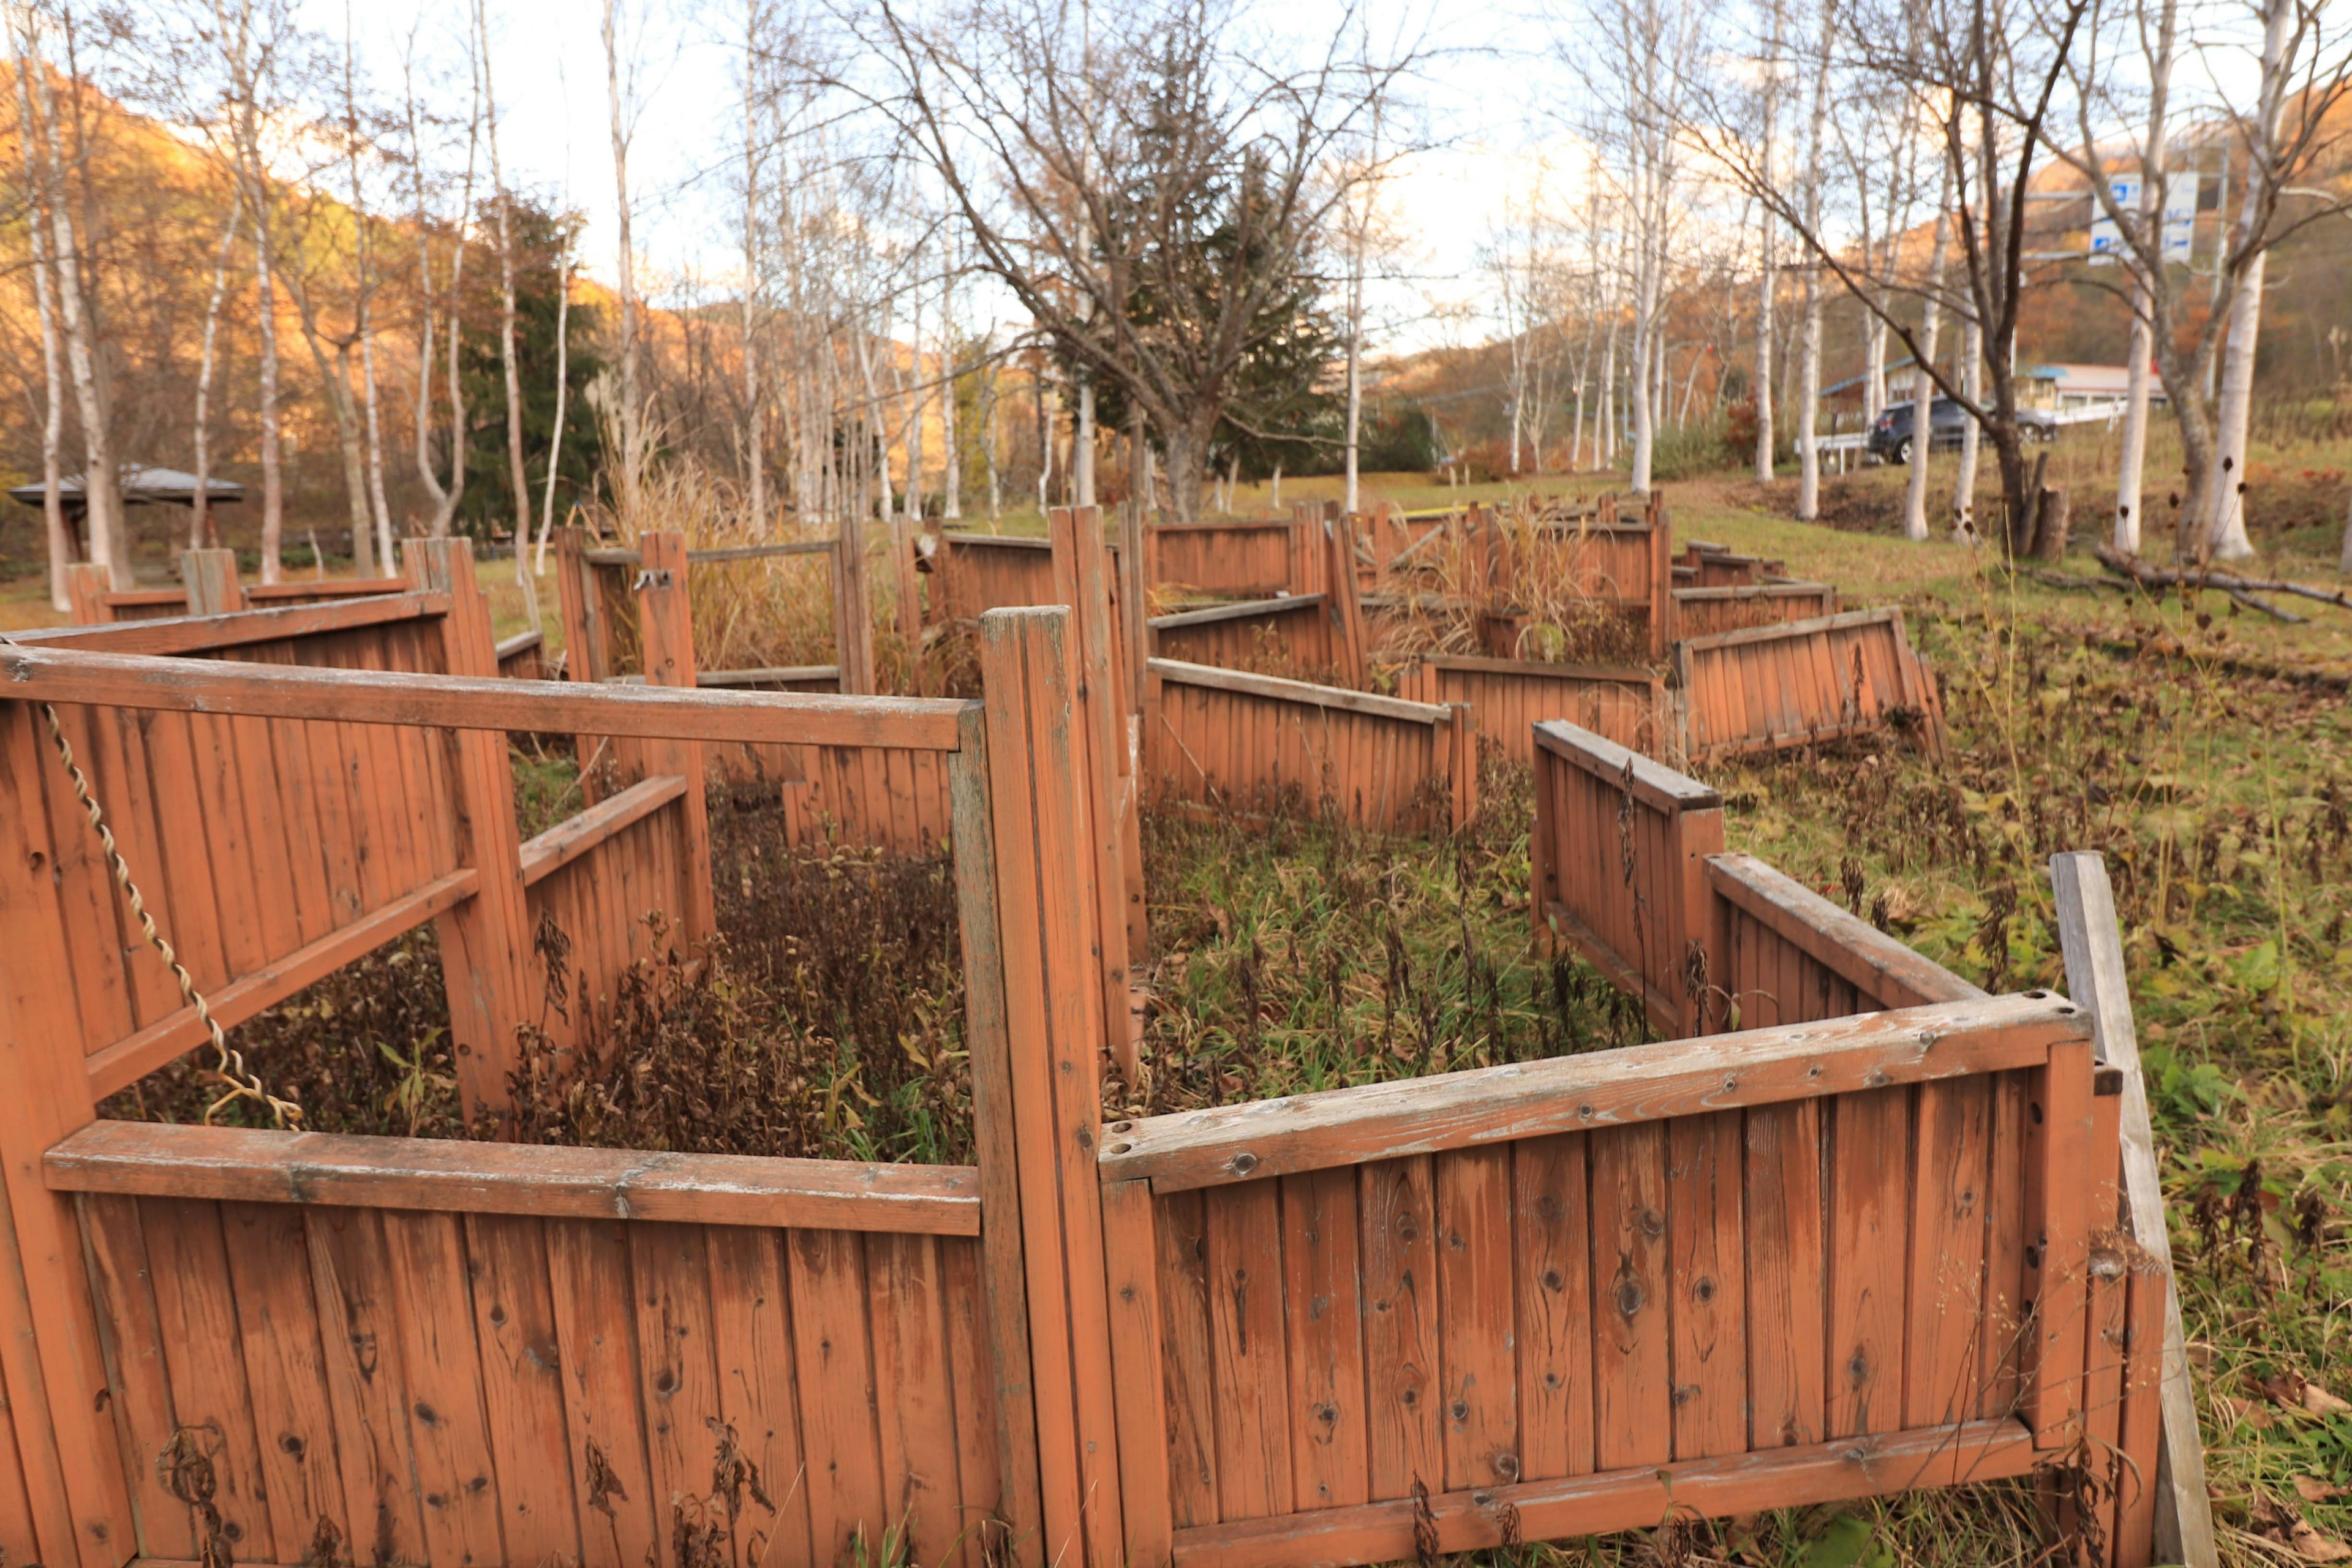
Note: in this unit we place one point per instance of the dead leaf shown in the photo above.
(2311, 1488)
(2321, 1404)
(2313, 1546)
(2283, 1389)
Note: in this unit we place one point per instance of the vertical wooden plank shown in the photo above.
(2061, 1197)
(1131, 1259)
(1786, 1318)
(667, 622)
(522, 1388)
(2106, 1289)
(1403, 1392)
(1705, 1229)
(278, 1327)
(135, 1372)
(1551, 1215)
(1868, 1218)
(1323, 1293)
(456, 1476)
(2142, 1426)
(2008, 1292)
(759, 1394)
(838, 1420)
(678, 1374)
(1054, 986)
(485, 944)
(1632, 1369)
(980, 1462)
(50, 1353)
(1245, 1317)
(196, 1307)
(1948, 1369)
(987, 1038)
(366, 1384)
(593, 1296)
(1476, 1343)
(914, 1397)
(1185, 1339)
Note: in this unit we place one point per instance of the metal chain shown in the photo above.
(229, 1063)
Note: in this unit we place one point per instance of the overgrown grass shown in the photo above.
(1293, 954)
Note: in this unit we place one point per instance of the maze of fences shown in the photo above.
(1852, 1227)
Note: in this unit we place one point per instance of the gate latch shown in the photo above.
(646, 579)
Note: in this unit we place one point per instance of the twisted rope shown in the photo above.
(229, 1063)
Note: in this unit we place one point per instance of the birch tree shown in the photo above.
(58, 535)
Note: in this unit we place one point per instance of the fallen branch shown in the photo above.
(2149, 575)
(2069, 581)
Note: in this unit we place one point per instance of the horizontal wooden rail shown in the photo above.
(759, 551)
(1248, 609)
(197, 634)
(996, 542)
(1469, 1520)
(519, 644)
(369, 697)
(568, 840)
(126, 1061)
(332, 588)
(1300, 691)
(1873, 961)
(1738, 591)
(1603, 1089)
(1654, 783)
(1793, 628)
(1621, 673)
(148, 1159)
(777, 675)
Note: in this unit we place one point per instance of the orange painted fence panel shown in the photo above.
(1808, 681)
(1779, 952)
(1257, 744)
(1618, 859)
(1701, 612)
(1287, 636)
(972, 574)
(506, 1375)
(1226, 560)
(1699, 1276)
(1510, 697)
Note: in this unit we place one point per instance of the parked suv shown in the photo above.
(1890, 435)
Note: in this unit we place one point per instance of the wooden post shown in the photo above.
(1134, 599)
(2058, 1222)
(2181, 1526)
(586, 655)
(666, 625)
(86, 586)
(1604, 511)
(853, 612)
(1663, 630)
(1695, 832)
(1005, 1297)
(1462, 762)
(62, 1432)
(484, 940)
(210, 578)
(1346, 608)
(1053, 976)
(1081, 583)
(2049, 534)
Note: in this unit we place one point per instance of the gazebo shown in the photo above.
(140, 487)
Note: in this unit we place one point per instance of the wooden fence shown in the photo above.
(972, 574)
(1619, 865)
(598, 589)
(1702, 612)
(1829, 1258)
(2088, 1345)
(1292, 636)
(1803, 683)
(1236, 560)
(1717, 1277)
(209, 587)
(1257, 742)
(449, 1354)
(1509, 696)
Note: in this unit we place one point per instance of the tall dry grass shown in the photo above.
(1547, 569)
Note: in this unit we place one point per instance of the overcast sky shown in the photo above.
(549, 65)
